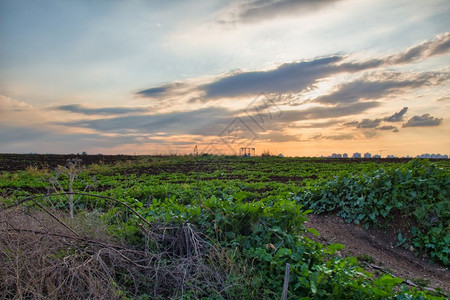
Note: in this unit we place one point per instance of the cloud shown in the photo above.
(290, 77)
(443, 99)
(339, 137)
(325, 112)
(396, 117)
(82, 109)
(439, 45)
(262, 10)
(286, 78)
(366, 123)
(296, 77)
(388, 127)
(424, 120)
(336, 137)
(8, 105)
(163, 90)
(19, 113)
(208, 121)
(363, 89)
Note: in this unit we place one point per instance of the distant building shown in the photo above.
(336, 155)
(345, 155)
(390, 156)
(356, 155)
(433, 156)
(376, 156)
(367, 155)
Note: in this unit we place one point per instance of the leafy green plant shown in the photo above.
(418, 191)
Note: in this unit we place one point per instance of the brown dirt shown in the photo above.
(379, 244)
(15, 162)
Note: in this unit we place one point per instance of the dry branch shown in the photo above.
(43, 257)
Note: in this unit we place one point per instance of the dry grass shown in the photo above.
(46, 255)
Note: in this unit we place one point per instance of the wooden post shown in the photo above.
(286, 282)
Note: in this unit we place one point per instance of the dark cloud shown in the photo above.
(354, 123)
(443, 99)
(203, 121)
(162, 91)
(366, 123)
(81, 109)
(424, 120)
(262, 10)
(291, 77)
(387, 127)
(439, 45)
(295, 77)
(325, 112)
(370, 124)
(336, 137)
(287, 78)
(339, 137)
(363, 89)
(396, 117)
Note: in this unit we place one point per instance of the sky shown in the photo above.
(297, 77)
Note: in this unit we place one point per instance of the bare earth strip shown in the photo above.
(379, 245)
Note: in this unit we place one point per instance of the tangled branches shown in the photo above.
(47, 255)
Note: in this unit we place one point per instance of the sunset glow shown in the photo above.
(302, 78)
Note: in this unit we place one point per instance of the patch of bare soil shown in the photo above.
(376, 247)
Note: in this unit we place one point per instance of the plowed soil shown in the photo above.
(377, 248)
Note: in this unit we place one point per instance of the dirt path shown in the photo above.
(377, 248)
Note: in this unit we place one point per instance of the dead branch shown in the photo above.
(42, 260)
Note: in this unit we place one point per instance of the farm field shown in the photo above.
(223, 227)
